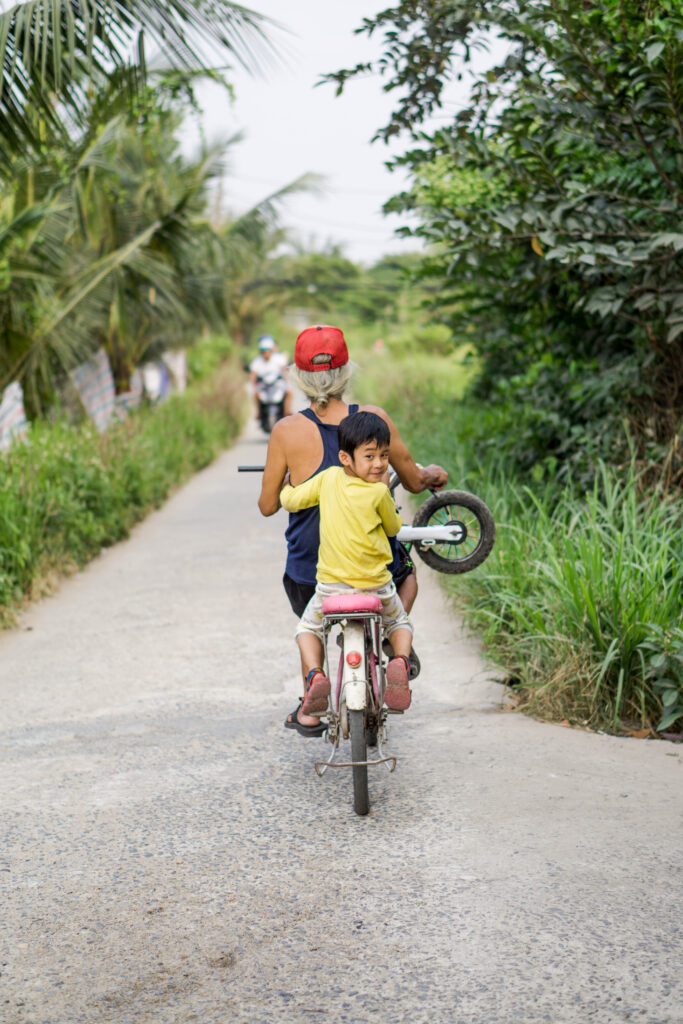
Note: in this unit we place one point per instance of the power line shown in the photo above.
(320, 222)
(273, 183)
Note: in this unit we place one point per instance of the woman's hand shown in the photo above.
(436, 477)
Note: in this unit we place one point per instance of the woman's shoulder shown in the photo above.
(294, 428)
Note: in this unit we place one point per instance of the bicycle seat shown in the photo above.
(341, 604)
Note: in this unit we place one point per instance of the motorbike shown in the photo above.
(452, 532)
(271, 389)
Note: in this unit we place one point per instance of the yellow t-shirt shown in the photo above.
(356, 517)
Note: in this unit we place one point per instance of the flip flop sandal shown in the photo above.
(292, 722)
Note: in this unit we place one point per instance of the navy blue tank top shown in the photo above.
(303, 533)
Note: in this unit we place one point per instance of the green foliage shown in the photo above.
(55, 54)
(553, 205)
(70, 491)
(106, 244)
(206, 356)
(581, 597)
(104, 239)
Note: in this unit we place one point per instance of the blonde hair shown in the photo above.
(322, 385)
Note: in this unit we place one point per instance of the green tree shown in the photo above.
(554, 205)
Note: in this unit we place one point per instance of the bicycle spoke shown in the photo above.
(452, 550)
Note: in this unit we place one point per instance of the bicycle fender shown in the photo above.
(354, 683)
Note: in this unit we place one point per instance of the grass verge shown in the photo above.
(580, 600)
(70, 491)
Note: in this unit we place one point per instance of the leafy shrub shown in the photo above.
(206, 355)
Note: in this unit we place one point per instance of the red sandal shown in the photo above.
(397, 693)
(317, 687)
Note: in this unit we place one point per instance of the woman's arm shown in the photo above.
(273, 474)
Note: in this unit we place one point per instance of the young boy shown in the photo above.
(357, 515)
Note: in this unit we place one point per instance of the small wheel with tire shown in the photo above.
(475, 531)
(361, 799)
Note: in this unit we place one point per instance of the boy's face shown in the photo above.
(369, 462)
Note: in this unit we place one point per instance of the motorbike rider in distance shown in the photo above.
(269, 363)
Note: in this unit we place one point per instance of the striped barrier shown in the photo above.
(13, 423)
(94, 382)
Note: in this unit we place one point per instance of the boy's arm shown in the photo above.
(303, 495)
(391, 520)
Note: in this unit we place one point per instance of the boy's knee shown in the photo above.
(306, 630)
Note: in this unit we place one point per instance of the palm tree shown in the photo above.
(95, 222)
(52, 52)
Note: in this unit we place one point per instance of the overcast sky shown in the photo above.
(291, 127)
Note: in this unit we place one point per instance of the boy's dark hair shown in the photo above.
(362, 428)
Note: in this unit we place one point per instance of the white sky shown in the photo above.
(292, 128)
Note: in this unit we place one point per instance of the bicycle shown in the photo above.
(452, 532)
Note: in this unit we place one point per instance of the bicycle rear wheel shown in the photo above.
(361, 798)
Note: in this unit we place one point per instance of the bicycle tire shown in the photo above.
(479, 531)
(361, 798)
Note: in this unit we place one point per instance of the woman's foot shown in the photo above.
(397, 692)
(317, 691)
(305, 725)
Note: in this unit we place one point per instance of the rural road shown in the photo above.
(169, 854)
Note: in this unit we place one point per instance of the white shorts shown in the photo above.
(393, 613)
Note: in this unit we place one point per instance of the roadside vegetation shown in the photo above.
(70, 491)
(580, 600)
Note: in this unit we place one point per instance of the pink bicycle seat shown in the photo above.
(342, 603)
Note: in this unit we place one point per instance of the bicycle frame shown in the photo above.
(360, 683)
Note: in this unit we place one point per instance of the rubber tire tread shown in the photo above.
(361, 798)
(483, 516)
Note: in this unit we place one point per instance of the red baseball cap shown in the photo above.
(320, 348)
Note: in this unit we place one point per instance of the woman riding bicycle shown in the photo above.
(305, 444)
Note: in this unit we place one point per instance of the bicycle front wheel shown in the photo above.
(361, 799)
(475, 531)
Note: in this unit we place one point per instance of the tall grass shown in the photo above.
(70, 491)
(581, 599)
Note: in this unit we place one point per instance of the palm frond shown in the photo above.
(263, 217)
(51, 49)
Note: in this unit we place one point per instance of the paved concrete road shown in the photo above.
(169, 854)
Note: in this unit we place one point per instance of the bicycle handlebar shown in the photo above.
(393, 481)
